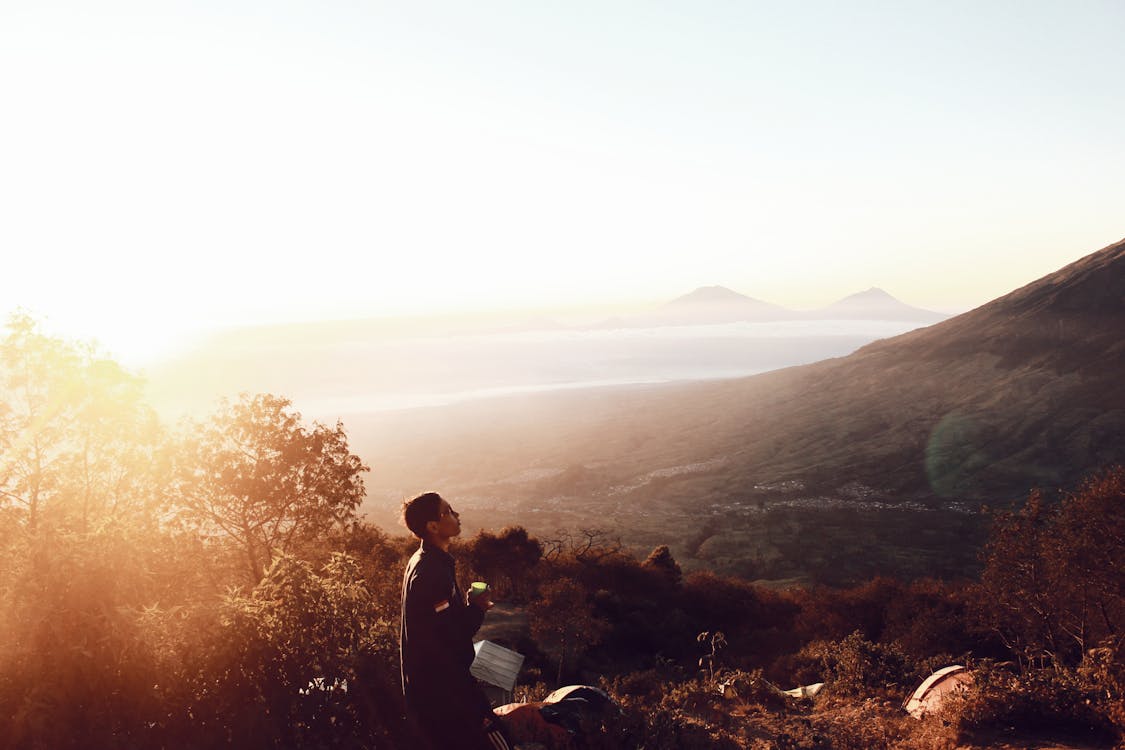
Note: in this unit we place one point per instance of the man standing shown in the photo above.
(438, 625)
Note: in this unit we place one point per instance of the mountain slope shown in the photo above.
(1026, 390)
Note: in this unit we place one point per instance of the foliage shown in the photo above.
(78, 445)
(856, 666)
(258, 478)
(929, 618)
(506, 560)
(1048, 701)
(379, 556)
(712, 644)
(563, 621)
(75, 670)
(866, 724)
(758, 623)
(284, 662)
(661, 560)
(1053, 584)
(833, 614)
(1090, 559)
(681, 715)
(589, 546)
(39, 373)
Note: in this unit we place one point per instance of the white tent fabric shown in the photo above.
(804, 691)
(936, 688)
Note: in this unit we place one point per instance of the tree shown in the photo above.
(589, 546)
(254, 475)
(505, 559)
(35, 414)
(116, 462)
(1089, 554)
(1053, 585)
(1016, 597)
(563, 621)
(77, 440)
(660, 560)
(381, 559)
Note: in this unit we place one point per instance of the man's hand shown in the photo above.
(482, 600)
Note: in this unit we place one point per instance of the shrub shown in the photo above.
(685, 717)
(860, 726)
(856, 666)
(74, 669)
(1050, 701)
(273, 668)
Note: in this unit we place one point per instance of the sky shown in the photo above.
(166, 167)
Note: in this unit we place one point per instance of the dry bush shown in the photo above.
(688, 715)
(1042, 702)
(857, 667)
(867, 725)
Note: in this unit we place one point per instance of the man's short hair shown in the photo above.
(421, 510)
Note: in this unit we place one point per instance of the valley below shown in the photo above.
(791, 532)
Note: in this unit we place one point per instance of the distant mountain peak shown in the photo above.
(711, 295)
(874, 293)
(878, 303)
(711, 304)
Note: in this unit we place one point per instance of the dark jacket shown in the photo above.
(436, 638)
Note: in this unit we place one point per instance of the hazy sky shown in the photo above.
(177, 164)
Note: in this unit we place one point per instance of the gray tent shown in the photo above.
(933, 691)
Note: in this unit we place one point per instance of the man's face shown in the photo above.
(448, 524)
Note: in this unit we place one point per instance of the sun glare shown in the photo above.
(137, 343)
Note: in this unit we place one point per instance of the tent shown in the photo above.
(933, 691)
(587, 693)
(525, 722)
(804, 691)
(564, 718)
